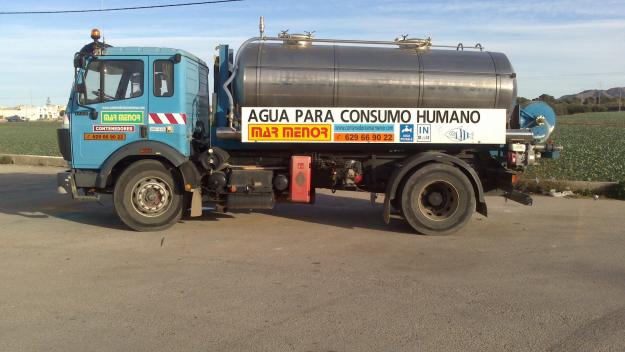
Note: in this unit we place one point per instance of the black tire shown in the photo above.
(437, 199)
(147, 196)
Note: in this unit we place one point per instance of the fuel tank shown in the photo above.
(319, 75)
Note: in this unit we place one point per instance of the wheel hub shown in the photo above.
(151, 196)
(438, 200)
(435, 199)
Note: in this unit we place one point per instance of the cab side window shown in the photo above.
(163, 78)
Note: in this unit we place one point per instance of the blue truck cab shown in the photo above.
(130, 103)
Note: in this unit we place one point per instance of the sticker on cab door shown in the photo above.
(104, 137)
(122, 117)
(113, 128)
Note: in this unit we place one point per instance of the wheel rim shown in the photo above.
(438, 200)
(151, 196)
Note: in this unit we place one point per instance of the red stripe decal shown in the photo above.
(184, 117)
(171, 118)
(156, 119)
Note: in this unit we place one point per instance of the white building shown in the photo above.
(33, 113)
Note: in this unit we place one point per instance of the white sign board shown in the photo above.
(373, 125)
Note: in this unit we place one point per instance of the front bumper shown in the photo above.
(66, 183)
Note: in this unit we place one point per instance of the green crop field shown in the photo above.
(35, 138)
(594, 148)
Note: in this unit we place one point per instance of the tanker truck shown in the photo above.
(431, 127)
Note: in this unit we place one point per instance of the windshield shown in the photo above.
(109, 80)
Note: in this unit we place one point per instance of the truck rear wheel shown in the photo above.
(437, 199)
(147, 196)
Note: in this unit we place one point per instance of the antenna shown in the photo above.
(261, 26)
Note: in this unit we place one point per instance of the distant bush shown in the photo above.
(560, 109)
(599, 108)
(577, 108)
(5, 160)
(618, 191)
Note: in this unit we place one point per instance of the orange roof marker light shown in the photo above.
(95, 34)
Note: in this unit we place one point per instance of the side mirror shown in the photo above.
(176, 58)
(81, 88)
(93, 114)
(79, 61)
(61, 113)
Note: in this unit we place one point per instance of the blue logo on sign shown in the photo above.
(406, 133)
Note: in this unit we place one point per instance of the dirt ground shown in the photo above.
(328, 277)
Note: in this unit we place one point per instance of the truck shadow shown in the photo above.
(34, 196)
(341, 211)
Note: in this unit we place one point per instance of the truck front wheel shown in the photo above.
(147, 196)
(437, 199)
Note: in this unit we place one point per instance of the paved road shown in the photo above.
(329, 277)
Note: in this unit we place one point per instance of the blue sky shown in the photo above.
(557, 47)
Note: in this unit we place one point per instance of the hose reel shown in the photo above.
(540, 118)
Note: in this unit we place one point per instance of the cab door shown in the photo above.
(115, 88)
(169, 119)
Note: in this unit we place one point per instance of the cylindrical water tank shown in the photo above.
(318, 75)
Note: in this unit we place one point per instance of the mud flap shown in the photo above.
(196, 203)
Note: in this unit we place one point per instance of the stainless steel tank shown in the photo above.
(317, 75)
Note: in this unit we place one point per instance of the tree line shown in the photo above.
(578, 105)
